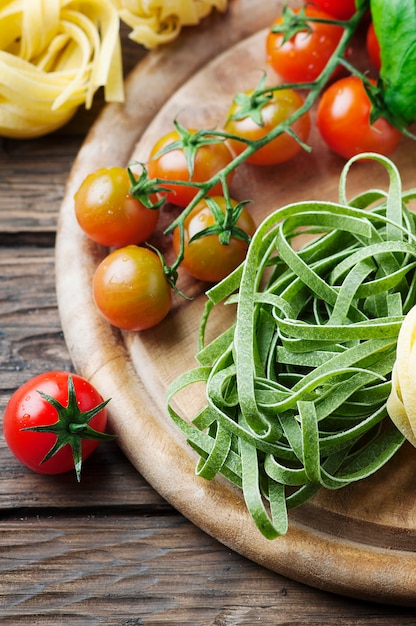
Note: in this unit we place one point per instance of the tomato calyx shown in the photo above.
(292, 23)
(71, 427)
(211, 257)
(225, 223)
(251, 104)
(296, 21)
(379, 107)
(144, 189)
(170, 272)
(190, 142)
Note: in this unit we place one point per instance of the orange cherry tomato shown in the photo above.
(207, 258)
(130, 288)
(173, 166)
(277, 110)
(107, 212)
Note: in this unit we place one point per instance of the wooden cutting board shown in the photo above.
(359, 541)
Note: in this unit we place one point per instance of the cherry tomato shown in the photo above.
(373, 47)
(207, 258)
(28, 408)
(107, 212)
(303, 57)
(340, 9)
(130, 288)
(343, 119)
(276, 110)
(209, 160)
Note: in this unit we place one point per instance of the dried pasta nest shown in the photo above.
(155, 22)
(55, 54)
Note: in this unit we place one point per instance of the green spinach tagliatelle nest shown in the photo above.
(296, 387)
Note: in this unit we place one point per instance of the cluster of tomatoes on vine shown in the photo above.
(346, 118)
(193, 169)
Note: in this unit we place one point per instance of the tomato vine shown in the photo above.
(292, 22)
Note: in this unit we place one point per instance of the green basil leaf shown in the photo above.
(395, 26)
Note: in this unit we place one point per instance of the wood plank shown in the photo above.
(108, 481)
(31, 331)
(30, 195)
(130, 570)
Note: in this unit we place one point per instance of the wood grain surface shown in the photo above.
(326, 537)
(109, 551)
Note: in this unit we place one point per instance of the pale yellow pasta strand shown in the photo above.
(23, 82)
(40, 22)
(50, 58)
(397, 410)
(31, 121)
(109, 65)
(10, 25)
(85, 35)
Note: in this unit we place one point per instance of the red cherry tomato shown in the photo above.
(130, 288)
(207, 258)
(276, 110)
(373, 47)
(340, 9)
(27, 408)
(107, 212)
(172, 165)
(303, 57)
(343, 119)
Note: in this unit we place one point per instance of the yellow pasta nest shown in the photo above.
(401, 404)
(155, 22)
(55, 54)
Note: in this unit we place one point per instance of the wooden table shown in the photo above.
(109, 550)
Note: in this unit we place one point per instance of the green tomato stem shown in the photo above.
(314, 89)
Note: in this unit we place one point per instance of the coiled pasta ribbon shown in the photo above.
(155, 22)
(54, 55)
(401, 404)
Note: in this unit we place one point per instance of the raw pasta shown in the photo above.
(401, 404)
(155, 22)
(54, 55)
